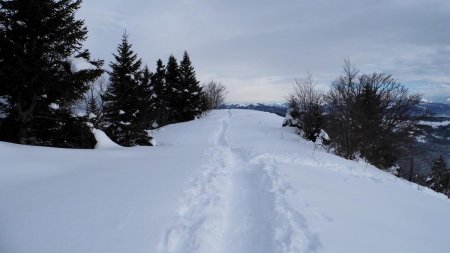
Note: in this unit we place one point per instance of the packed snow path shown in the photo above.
(232, 182)
(237, 206)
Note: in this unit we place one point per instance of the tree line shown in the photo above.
(364, 116)
(45, 73)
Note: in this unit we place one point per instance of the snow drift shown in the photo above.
(234, 181)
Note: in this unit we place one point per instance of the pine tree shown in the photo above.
(149, 105)
(160, 95)
(125, 99)
(39, 84)
(440, 176)
(173, 91)
(191, 101)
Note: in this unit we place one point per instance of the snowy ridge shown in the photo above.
(234, 181)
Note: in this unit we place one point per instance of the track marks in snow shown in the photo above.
(197, 228)
(238, 205)
(260, 218)
(250, 226)
(220, 139)
(201, 215)
(292, 234)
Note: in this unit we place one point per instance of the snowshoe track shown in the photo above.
(237, 205)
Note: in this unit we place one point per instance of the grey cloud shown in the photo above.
(248, 42)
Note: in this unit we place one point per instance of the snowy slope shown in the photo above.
(234, 181)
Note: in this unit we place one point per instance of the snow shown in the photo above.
(121, 112)
(130, 76)
(3, 100)
(324, 135)
(79, 114)
(21, 23)
(103, 141)
(78, 64)
(233, 181)
(434, 124)
(54, 106)
(421, 139)
(289, 120)
(92, 115)
(125, 123)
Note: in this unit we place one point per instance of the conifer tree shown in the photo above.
(124, 101)
(149, 105)
(160, 95)
(191, 102)
(440, 176)
(39, 82)
(173, 91)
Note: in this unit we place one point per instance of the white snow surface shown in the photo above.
(103, 141)
(78, 64)
(231, 182)
(54, 106)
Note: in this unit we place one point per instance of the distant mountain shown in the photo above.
(437, 109)
(424, 108)
(433, 117)
(277, 108)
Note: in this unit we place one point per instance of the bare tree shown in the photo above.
(341, 103)
(370, 116)
(306, 105)
(215, 93)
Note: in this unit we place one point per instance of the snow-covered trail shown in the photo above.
(237, 206)
(231, 182)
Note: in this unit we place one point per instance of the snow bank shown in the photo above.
(103, 141)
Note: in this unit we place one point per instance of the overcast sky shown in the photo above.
(258, 47)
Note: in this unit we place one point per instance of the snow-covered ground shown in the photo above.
(232, 182)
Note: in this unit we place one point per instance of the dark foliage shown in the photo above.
(306, 108)
(191, 103)
(183, 94)
(161, 95)
(126, 101)
(173, 91)
(439, 179)
(38, 87)
(369, 115)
